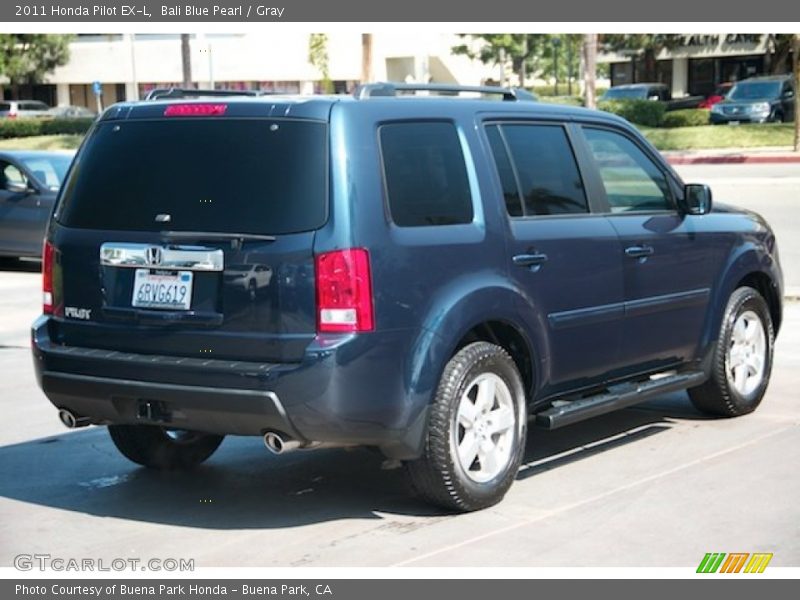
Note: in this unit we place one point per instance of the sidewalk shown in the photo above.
(763, 155)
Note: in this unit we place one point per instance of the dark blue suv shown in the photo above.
(420, 275)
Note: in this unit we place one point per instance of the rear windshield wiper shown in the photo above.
(236, 239)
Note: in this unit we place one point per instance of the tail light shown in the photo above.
(48, 256)
(344, 291)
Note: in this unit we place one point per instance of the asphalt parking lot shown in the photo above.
(655, 485)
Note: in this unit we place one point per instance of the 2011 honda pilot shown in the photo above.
(442, 271)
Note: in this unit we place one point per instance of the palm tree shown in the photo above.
(366, 57)
(186, 60)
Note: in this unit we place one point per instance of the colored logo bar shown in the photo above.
(734, 562)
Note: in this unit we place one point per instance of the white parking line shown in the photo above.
(591, 499)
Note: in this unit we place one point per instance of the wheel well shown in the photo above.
(508, 337)
(763, 284)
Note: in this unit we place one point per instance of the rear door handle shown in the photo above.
(529, 260)
(639, 251)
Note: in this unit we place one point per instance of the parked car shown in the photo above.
(718, 95)
(29, 182)
(71, 112)
(14, 109)
(444, 271)
(758, 100)
(658, 92)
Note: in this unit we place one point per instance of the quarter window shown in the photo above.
(537, 170)
(632, 181)
(425, 173)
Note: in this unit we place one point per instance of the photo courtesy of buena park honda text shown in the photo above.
(426, 299)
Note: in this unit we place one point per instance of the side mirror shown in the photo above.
(697, 199)
(17, 187)
(653, 97)
(788, 94)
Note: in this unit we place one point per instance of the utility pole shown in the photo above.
(186, 60)
(590, 68)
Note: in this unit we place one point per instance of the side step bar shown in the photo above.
(617, 396)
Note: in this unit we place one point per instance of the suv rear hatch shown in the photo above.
(190, 232)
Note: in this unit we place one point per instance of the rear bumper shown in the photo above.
(347, 390)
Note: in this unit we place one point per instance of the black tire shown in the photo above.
(719, 396)
(153, 447)
(777, 117)
(438, 475)
(252, 290)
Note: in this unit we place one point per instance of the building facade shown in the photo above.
(127, 66)
(698, 63)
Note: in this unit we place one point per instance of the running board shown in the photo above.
(616, 397)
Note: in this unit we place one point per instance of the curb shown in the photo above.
(732, 159)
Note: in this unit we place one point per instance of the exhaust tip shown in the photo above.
(274, 442)
(70, 420)
(67, 418)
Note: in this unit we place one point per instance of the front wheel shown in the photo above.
(163, 448)
(742, 361)
(476, 431)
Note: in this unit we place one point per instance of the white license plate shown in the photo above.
(734, 123)
(162, 289)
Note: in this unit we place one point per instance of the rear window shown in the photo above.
(426, 178)
(220, 175)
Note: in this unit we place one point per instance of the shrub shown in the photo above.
(14, 128)
(688, 117)
(642, 112)
(569, 100)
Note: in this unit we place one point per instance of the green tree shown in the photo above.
(779, 49)
(523, 50)
(529, 54)
(646, 46)
(318, 57)
(28, 58)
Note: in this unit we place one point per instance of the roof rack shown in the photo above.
(174, 92)
(386, 89)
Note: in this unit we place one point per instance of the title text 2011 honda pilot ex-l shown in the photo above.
(443, 271)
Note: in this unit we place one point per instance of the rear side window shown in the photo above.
(426, 178)
(219, 175)
(540, 159)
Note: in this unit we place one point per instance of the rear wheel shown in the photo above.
(163, 448)
(476, 433)
(742, 361)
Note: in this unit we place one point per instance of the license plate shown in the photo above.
(733, 123)
(162, 289)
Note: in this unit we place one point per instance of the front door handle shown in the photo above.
(529, 260)
(639, 251)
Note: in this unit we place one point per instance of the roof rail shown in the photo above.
(388, 89)
(174, 92)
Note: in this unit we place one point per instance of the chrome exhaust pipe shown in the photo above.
(277, 444)
(70, 420)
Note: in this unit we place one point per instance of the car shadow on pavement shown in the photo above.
(22, 265)
(244, 487)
